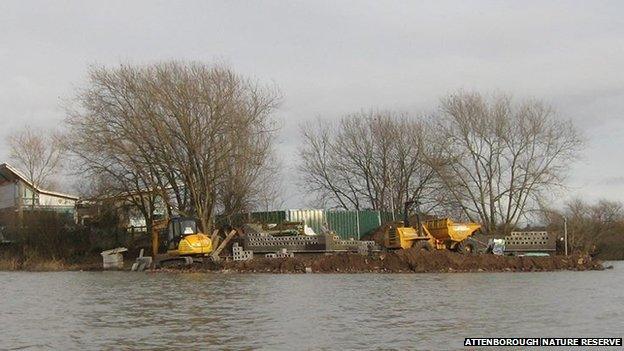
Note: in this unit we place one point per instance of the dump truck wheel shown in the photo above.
(466, 247)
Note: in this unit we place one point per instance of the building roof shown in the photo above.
(9, 173)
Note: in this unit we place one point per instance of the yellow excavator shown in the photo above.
(178, 239)
(438, 233)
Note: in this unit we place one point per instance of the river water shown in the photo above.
(128, 311)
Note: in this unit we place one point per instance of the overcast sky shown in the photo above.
(331, 58)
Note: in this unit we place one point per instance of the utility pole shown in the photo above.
(565, 235)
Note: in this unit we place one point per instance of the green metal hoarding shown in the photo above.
(347, 224)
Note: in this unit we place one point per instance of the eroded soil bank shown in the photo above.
(9, 263)
(403, 261)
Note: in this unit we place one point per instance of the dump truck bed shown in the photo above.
(445, 229)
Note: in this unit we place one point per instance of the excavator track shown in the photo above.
(174, 262)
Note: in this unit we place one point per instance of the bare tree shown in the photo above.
(38, 153)
(181, 130)
(251, 186)
(121, 188)
(366, 160)
(589, 224)
(499, 158)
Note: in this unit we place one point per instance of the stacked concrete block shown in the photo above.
(363, 248)
(239, 254)
(360, 246)
(283, 253)
(263, 242)
(298, 242)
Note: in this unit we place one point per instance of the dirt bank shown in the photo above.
(404, 261)
(37, 264)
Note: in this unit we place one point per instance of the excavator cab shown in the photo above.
(180, 237)
(178, 228)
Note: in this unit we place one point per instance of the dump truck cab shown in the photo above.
(405, 236)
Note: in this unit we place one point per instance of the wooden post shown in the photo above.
(215, 254)
(213, 237)
(565, 235)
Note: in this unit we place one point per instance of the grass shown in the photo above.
(32, 264)
(9, 264)
(12, 262)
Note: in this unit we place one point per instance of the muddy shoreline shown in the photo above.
(403, 261)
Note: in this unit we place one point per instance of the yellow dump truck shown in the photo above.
(439, 234)
(446, 234)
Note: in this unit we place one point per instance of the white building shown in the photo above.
(16, 193)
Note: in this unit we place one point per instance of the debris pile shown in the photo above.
(142, 262)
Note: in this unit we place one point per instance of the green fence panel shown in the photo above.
(344, 223)
(314, 219)
(388, 216)
(369, 221)
(276, 217)
(347, 224)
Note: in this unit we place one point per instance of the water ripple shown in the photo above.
(127, 311)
